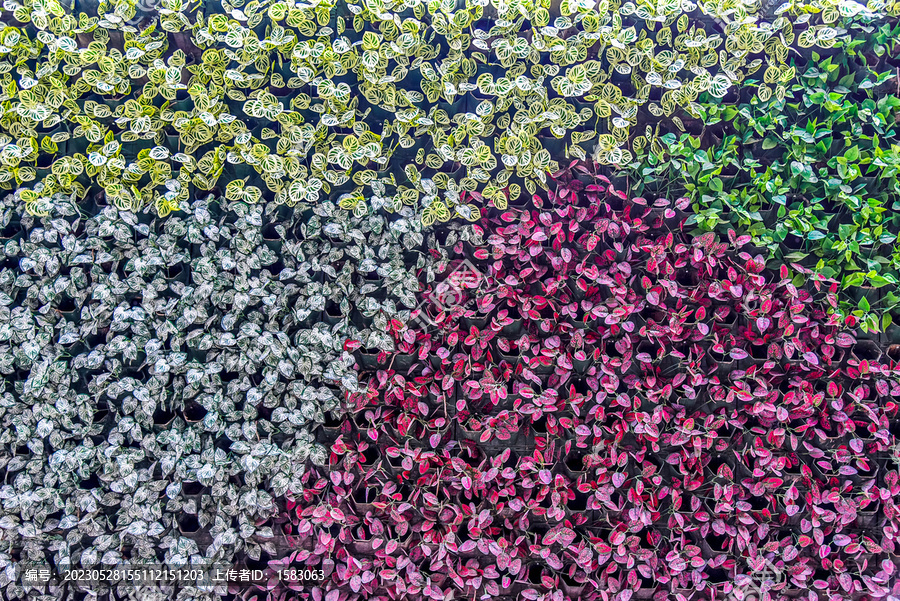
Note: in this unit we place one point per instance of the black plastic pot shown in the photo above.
(332, 313)
(77, 145)
(271, 238)
(401, 362)
(865, 350)
(68, 308)
(133, 364)
(373, 279)
(11, 231)
(402, 156)
(179, 272)
(870, 293)
(130, 150)
(329, 430)
(477, 322)
(368, 358)
(513, 330)
(555, 146)
(582, 365)
(182, 101)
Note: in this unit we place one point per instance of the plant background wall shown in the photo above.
(220, 216)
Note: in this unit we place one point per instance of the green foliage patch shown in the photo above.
(814, 177)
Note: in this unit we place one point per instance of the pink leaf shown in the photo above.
(845, 340)
(842, 540)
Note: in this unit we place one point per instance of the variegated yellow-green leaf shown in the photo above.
(576, 151)
(409, 196)
(252, 194)
(234, 190)
(718, 87)
(349, 201)
(807, 38)
(429, 215)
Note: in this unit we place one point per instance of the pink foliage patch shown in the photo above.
(620, 411)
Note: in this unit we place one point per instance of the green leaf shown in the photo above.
(879, 281)
(864, 304)
(853, 280)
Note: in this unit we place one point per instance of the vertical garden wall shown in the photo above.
(445, 300)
